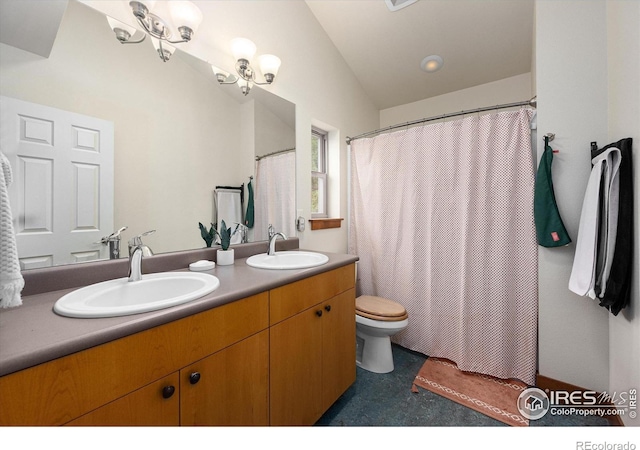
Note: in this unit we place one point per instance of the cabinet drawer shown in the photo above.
(61, 390)
(210, 331)
(293, 298)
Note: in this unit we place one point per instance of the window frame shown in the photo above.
(321, 173)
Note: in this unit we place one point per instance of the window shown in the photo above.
(318, 173)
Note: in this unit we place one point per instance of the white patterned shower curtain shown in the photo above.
(442, 221)
(275, 195)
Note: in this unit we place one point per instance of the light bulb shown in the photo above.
(165, 51)
(122, 30)
(185, 14)
(142, 8)
(149, 4)
(221, 75)
(431, 63)
(269, 65)
(243, 49)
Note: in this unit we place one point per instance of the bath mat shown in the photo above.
(488, 395)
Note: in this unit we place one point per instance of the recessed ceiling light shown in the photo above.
(431, 63)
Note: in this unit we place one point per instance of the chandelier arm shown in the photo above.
(261, 84)
(176, 42)
(144, 25)
(135, 42)
(161, 51)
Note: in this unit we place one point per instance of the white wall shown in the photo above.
(508, 90)
(271, 132)
(326, 94)
(623, 62)
(571, 47)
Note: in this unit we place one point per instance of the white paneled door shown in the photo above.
(62, 193)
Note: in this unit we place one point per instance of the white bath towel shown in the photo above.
(229, 209)
(609, 220)
(595, 245)
(11, 281)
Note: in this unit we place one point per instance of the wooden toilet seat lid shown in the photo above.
(379, 308)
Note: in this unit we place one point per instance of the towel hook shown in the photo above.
(550, 136)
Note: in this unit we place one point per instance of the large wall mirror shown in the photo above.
(177, 134)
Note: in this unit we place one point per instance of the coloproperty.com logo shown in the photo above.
(534, 403)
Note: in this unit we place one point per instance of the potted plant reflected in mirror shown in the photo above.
(224, 256)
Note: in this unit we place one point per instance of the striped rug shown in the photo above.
(488, 395)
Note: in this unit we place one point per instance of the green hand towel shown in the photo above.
(249, 216)
(549, 227)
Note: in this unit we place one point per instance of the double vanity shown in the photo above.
(266, 346)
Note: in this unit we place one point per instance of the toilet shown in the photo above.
(377, 319)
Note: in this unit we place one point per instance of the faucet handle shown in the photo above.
(136, 240)
(113, 236)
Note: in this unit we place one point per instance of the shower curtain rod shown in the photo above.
(531, 103)
(258, 158)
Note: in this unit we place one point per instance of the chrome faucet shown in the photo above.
(271, 231)
(136, 251)
(272, 242)
(243, 229)
(113, 241)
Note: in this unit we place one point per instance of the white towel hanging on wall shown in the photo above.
(229, 209)
(596, 238)
(11, 281)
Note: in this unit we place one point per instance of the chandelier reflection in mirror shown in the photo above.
(243, 51)
(184, 14)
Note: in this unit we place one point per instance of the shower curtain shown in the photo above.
(275, 195)
(442, 221)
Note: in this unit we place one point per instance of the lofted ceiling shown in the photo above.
(479, 40)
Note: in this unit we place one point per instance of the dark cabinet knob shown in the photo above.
(168, 391)
(319, 313)
(328, 308)
(194, 377)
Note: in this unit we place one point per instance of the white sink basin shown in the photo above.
(120, 297)
(287, 260)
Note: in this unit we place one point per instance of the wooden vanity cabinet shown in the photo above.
(282, 357)
(227, 388)
(89, 387)
(312, 346)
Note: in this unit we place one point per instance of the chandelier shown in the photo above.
(243, 51)
(184, 14)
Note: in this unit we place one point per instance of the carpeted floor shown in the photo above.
(387, 400)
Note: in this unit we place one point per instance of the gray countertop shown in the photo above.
(32, 333)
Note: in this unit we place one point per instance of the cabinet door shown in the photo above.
(155, 404)
(229, 387)
(296, 369)
(338, 346)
